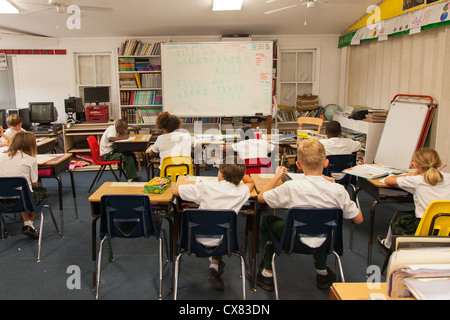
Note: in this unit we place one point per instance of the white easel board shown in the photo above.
(402, 131)
(216, 79)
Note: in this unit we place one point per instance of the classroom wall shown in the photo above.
(407, 64)
(64, 66)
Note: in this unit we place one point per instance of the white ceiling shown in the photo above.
(139, 18)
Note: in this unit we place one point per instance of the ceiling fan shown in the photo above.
(307, 3)
(60, 6)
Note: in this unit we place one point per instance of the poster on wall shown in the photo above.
(409, 4)
(3, 62)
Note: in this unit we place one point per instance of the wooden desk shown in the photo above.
(139, 144)
(164, 200)
(56, 164)
(356, 291)
(379, 191)
(46, 145)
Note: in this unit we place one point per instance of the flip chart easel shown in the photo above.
(407, 125)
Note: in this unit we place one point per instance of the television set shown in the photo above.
(96, 95)
(43, 113)
(3, 119)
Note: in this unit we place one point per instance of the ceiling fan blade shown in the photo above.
(280, 9)
(34, 11)
(89, 8)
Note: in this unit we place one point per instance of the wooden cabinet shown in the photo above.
(75, 137)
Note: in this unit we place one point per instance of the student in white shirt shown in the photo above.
(20, 161)
(315, 191)
(426, 183)
(173, 142)
(225, 193)
(335, 144)
(249, 147)
(4, 140)
(113, 133)
(14, 122)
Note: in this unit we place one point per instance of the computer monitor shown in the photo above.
(96, 94)
(42, 112)
(3, 119)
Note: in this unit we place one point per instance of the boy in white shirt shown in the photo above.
(314, 191)
(14, 123)
(335, 144)
(249, 147)
(114, 133)
(225, 193)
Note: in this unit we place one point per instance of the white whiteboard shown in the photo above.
(217, 78)
(401, 134)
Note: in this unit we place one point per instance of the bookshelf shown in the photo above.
(139, 74)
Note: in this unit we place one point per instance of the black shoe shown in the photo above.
(381, 242)
(215, 279)
(30, 232)
(137, 179)
(264, 282)
(324, 282)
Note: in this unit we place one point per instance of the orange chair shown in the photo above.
(311, 120)
(98, 160)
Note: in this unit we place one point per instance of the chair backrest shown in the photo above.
(175, 166)
(339, 162)
(16, 196)
(258, 165)
(126, 216)
(95, 149)
(435, 220)
(209, 232)
(312, 231)
(311, 120)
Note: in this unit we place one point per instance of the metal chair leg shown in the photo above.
(341, 271)
(160, 268)
(175, 277)
(40, 237)
(99, 263)
(274, 274)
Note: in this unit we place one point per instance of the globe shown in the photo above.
(331, 109)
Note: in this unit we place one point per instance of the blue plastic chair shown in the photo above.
(126, 216)
(16, 197)
(301, 224)
(221, 225)
(339, 162)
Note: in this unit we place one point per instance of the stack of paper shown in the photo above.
(423, 273)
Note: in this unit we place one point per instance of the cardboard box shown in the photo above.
(157, 185)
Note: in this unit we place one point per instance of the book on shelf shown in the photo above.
(142, 97)
(138, 48)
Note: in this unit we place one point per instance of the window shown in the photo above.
(93, 69)
(297, 75)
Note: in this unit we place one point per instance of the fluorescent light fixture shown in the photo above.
(226, 5)
(6, 7)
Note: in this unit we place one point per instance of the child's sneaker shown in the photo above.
(324, 282)
(30, 232)
(215, 279)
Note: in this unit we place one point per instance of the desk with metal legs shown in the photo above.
(382, 193)
(163, 200)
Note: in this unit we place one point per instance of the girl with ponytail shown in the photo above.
(426, 183)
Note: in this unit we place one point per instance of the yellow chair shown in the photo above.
(435, 220)
(311, 120)
(176, 166)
